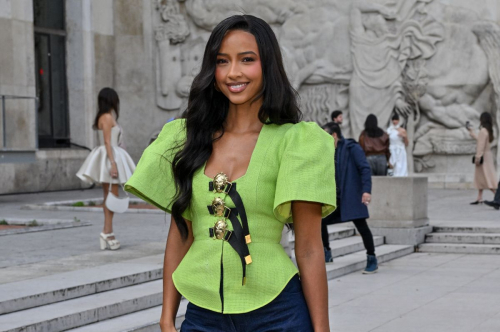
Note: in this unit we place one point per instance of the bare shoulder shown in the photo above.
(106, 120)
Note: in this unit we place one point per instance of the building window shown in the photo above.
(50, 62)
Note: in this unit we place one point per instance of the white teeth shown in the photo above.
(237, 86)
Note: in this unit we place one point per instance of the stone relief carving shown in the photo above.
(206, 14)
(488, 34)
(437, 65)
(383, 40)
(172, 31)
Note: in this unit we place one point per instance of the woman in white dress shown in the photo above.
(398, 141)
(107, 164)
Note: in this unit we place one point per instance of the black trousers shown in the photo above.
(363, 230)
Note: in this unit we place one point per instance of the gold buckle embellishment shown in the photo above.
(220, 229)
(220, 182)
(219, 207)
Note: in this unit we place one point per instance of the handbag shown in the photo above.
(480, 160)
(116, 204)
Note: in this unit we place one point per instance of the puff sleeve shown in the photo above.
(307, 170)
(152, 180)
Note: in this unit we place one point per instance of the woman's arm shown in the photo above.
(482, 139)
(175, 251)
(311, 261)
(106, 123)
(472, 134)
(404, 135)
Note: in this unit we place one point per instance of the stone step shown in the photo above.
(147, 320)
(85, 310)
(357, 261)
(335, 232)
(69, 285)
(455, 248)
(349, 245)
(65, 286)
(466, 229)
(142, 321)
(472, 238)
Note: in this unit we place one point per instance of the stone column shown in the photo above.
(80, 71)
(398, 209)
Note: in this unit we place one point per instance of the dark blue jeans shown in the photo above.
(378, 164)
(287, 312)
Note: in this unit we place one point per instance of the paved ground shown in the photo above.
(420, 292)
(41, 253)
(452, 207)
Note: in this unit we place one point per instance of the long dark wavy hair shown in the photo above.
(107, 100)
(371, 127)
(487, 122)
(208, 108)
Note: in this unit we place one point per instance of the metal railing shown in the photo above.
(4, 119)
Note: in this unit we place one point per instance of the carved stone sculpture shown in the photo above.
(172, 31)
(383, 39)
(436, 65)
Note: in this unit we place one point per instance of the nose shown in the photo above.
(234, 71)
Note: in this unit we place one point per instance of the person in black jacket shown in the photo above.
(354, 185)
(495, 203)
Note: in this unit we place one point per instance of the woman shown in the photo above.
(108, 164)
(242, 152)
(485, 176)
(398, 141)
(375, 143)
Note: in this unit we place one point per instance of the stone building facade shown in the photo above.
(437, 59)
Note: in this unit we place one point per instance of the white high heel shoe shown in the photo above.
(110, 244)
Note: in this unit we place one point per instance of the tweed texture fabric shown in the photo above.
(289, 163)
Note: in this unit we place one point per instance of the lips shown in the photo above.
(237, 87)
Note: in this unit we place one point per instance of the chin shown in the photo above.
(239, 101)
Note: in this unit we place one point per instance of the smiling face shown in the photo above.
(238, 72)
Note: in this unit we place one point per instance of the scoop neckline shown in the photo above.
(252, 157)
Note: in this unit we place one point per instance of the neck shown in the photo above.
(243, 118)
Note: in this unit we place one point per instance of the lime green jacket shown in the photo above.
(289, 163)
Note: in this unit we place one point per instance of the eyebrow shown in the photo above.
(242, 53)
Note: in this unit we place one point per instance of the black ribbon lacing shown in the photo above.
(239, 237)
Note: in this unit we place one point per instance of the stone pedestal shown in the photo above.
(398, 209)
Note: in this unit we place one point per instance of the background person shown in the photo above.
(108, 164)
(485, 176)
(375, 143)
(495, 203)
(354, 185)
(337, 117)
(398, 141)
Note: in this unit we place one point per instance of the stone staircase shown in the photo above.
(127, 296)
(462, 240)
